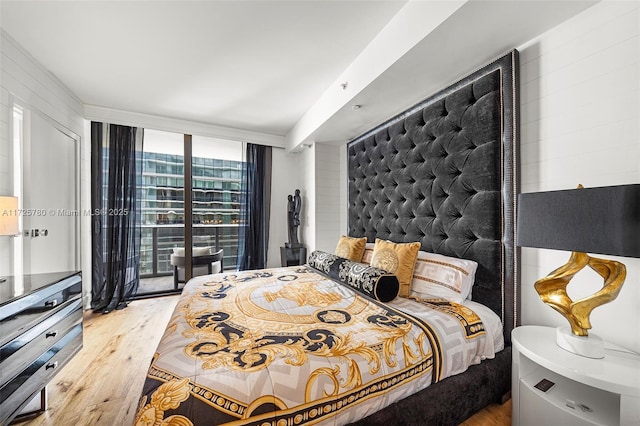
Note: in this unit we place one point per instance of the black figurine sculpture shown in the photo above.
(293, 219)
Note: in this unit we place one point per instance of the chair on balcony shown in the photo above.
(203, 261)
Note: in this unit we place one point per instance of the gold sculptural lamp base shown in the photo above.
(604, 220)
(553, 291)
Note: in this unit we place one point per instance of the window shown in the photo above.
(216, 173)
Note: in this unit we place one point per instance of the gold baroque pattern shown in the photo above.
(304, 293)
(386, 259)
(469, 320)
(221, 341)
(205, 394)
(168, 396)
(333, 344)
(343, 249)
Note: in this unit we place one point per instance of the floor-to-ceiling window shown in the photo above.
(213, 202)
(216, 170)
(162, 204)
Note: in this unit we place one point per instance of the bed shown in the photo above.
(328, 342)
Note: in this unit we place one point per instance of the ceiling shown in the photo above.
(259, 65)
(255, 65)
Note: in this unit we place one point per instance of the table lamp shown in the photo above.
(8, 218)
(604, 220)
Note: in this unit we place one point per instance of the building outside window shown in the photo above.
(216, 180)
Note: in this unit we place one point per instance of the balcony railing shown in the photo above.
(158, 242)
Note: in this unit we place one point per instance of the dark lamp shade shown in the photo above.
(603, 220)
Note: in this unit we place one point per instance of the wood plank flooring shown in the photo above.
(102, 384)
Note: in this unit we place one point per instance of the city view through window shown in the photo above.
(216, 180)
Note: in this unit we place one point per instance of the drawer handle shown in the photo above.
(52, 365)
(51, 334)
(51, 303)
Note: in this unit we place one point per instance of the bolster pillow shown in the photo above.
(373, 282)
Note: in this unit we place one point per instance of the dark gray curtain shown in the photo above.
(255, 208)
(116, 167)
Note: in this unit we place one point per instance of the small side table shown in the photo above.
(293, 256)
(585, 391)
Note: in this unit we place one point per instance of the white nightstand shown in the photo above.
(586, 391)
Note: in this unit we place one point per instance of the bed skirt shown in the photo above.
(453, 400)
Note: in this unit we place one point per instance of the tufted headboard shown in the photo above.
(444, 173)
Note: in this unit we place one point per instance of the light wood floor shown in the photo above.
(102, 383)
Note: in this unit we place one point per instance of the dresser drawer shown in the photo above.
(18, 391)
(21, 314)
(18, 353)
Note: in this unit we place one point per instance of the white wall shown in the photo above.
(25, 82)
(324, 213)
(328, 206)
(307, 181)
(284, 181)
(580, 109)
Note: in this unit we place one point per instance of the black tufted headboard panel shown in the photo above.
(443, 173)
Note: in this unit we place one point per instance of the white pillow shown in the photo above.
(196, 251)
(438, 276)
(201, 251)
(368, 253)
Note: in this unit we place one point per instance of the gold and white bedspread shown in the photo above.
(288, 346)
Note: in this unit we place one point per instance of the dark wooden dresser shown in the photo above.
(40, 331)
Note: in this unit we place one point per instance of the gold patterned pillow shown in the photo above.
(351, 248)
(398, 259)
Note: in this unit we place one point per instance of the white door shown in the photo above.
(51, 225)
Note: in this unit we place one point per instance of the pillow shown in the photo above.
(322, 261)
(195, 252)
(351, 248)
(373, 282)
(368, 253)
(439, 276)
(398, 259)
(201, 251)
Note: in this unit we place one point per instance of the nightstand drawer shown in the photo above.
(17, 354)
(20, 315)
(18, 391)
(40, 330)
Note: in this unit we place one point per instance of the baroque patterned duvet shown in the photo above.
(289, 346)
